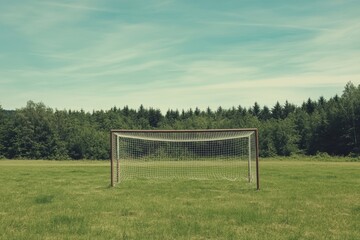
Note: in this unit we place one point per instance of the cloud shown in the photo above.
(30, 19)
(266, 25)
(78, 7)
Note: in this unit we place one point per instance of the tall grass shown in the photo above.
(73, 200)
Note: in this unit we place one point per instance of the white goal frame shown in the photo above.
(116, 134)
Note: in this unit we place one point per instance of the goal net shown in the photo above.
(187, 154)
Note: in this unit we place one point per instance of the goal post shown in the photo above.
(231, 154)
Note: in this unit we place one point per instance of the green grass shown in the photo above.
(73, 200)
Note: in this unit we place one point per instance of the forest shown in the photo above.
(329, 126)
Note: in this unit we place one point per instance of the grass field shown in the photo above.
(72, 200)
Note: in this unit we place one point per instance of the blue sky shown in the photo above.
(96, 54)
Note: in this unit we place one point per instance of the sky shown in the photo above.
(176, 54)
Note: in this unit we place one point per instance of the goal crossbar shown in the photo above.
(181, 137)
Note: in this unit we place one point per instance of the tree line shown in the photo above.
(329, 126)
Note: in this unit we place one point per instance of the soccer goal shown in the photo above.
(231, 154)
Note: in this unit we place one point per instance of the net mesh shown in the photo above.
(186, 155)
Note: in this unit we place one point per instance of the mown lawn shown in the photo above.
(73, 200)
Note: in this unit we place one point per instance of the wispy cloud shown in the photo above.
(266, 25)
(77, 6)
